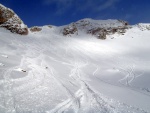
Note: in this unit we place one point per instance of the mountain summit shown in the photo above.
(98, 28)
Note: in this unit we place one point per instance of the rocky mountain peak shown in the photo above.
(11, 21)
(98, 28)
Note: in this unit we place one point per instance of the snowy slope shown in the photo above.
(47, 72)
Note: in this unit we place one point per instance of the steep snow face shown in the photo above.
(11, 21)
(47, 72)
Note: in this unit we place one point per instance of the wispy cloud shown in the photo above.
(63, 2)
(61, 5)
(81, 5)
(107, 4)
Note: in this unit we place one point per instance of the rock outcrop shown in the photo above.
(97, 28)
(11, 21)
(35, 29)
(71, 29)
(101, 33)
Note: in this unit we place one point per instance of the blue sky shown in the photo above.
(61, 12)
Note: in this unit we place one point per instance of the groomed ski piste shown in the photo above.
(46, 72)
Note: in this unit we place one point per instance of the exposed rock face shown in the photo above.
(97, 28)
(11, 21)
(71, 29)
(35, 29)
(101, 33)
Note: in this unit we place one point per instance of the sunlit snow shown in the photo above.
(45, 72)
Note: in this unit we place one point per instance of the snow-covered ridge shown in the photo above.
(11, 21)
(144, 26)
(98, 28)
(90, 23)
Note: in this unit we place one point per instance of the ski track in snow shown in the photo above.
(129, 74)
(85, 100)
(41, 76)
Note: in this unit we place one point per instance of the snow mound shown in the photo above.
(1, 64)
(5, 56)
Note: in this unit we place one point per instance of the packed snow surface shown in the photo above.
(46, 72)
